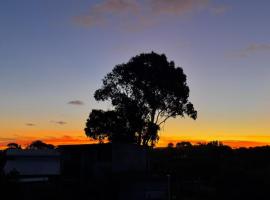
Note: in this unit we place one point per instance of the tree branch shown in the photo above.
(158, 116)
(163, 121)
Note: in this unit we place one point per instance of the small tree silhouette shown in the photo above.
(38, 144)
(183, 145)
(13, 145)
(170, 145)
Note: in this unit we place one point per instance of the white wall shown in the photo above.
(34, 162)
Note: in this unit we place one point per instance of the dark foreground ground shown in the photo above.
(216, 172)
(187, 173)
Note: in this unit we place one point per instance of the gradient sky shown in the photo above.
(54, 54)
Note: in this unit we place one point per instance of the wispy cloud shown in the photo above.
(250, 49)
(175, 7)
(220, 9)
(141, 12)
(2, 139)
(98, 13)
(76, 102)
(58, 122)
(257, 47)
(30, 124)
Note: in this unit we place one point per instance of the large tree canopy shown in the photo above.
(144, 92)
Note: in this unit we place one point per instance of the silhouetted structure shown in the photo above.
(121, 168)
(82, 163)
(126, 171)
(32, 165)
(98, 160)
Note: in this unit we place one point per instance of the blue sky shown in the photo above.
(53, 52)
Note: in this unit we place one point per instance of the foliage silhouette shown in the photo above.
(38, 144)
(183, 145)
(13, 145)
(107, 125)
(145, 93)
(170, 145)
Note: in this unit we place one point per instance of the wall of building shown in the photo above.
(32, 162)
(129, 157)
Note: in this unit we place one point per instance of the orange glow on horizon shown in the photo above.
(65, 140)
(52, 140)
(233, 143)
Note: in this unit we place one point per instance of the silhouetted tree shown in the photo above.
(13, 145)
(183, 145)
(145, 93)
(170, 145)
(38, 144)
(215, 143)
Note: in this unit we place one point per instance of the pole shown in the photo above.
(169, 186)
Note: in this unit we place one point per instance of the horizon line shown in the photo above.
(68, 140)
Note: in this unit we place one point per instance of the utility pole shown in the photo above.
(169, 186)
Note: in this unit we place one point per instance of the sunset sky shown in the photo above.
(54, 54)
